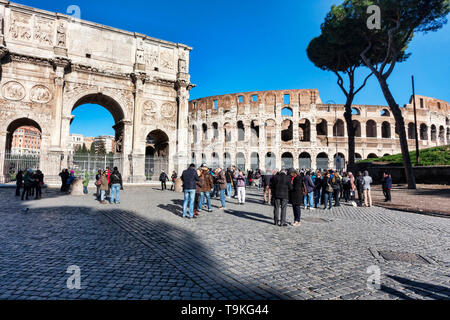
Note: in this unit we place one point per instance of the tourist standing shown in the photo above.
(64, 176)
(27, 184)
(346, 186)
(39, 183)
(104, 187)
(206, 184)
(387, 186)
(235, 175)
(174, 179)
(266, 185)
(19, 182)
(327, 190)
(163, 178)
(317, 179)
(336, 183)
(98, 183)
(352, 187)
(190, 179)
(86, 182)
(296, 197)
(240, 181)
(229, 178)
(366, 188)
(309, 188)
(359, 188)
(222, 181)
(115, 184)
(281, 185)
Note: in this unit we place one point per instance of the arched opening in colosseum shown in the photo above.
(240, 161)
(304, 130)
(241, 131)
(287, 112)
(357, 127)
(193, 158)
(254, 132)
(23, 145)
(386, 130)
(385, 113)
(411, 131)
(433, 132)
(322, 161)
(423, 132)
(215, 131)
(358, 157)
(386, 155)
(442, 134)
(287, 160)
(271, 161)
(194, 134)
(270, 132)
(254, 161)
(156, 154)
(215, 160)
(339, 161)
(448, 135)
(287, 132)
(204, 158)
(227, 160)
(304, 160)
(227, 132)
(371, 129)
(372, 156)
(338, 128)
(356, 112)
(447, 121)
(322, 127)
(205, 132)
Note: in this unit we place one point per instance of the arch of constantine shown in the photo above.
(293, 128)
(52, 63)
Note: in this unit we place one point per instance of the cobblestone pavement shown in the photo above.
(143, 249)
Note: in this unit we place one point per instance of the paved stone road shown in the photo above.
(143, 249)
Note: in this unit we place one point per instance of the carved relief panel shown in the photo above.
(20, 27)
(13, 90)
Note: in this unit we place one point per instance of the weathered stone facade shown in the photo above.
(249, 129)
(52, 63)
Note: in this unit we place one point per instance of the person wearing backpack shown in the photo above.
(336, 183)
(115, 184)
(359, 188)
(163, 178)
(327, 191)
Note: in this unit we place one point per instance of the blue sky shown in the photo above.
(255, 45)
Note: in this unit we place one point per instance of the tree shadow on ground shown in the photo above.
(420, 288)
(121, 256)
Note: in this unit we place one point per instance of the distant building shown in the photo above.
(26, 141)
(76, 142)
(108, 141)
(88, 141)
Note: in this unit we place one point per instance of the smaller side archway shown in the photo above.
(304, 161)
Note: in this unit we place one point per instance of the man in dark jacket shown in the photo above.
(189, 178)
(115, 185)
(281, 185)
(296, 197)
(359, 188)
(163, 178)
(387, 186)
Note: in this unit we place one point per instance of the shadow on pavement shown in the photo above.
(420, 288)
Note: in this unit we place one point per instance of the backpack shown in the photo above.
(328, 186)
(360, 182)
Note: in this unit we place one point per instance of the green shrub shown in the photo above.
(437, 156)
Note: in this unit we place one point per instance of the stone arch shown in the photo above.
(204, 132)
(339, 128)
(156, 154)
(287, 131)
(356, 111)
(423, 132)
(254, 132)
(227, 160)
(304, 160)
(287, 160)
(411, 131)
(339, 161)
(358, 157)
(322, 161)
(227, 132)
(241, 131)
(214, 160)
(372, 156)
(371, 129)
(16, 124)
(385, 113)
(357, 127)
(442, 134)
(448, 135)
(447, 121)
(322, 127)
(240, 161)
(304, 130)
(215, 128)
(254, 161)
(287, 112)
(433, 133)
(386, 130)
(194, 134)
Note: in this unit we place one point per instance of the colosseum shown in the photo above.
(294, 128)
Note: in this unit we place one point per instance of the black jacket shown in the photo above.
(115, 178)
(190, 178)
(281, 185)
(163, 177)
(296, 194)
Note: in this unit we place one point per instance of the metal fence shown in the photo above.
(154, 166)
(92, 163)
(13, 163)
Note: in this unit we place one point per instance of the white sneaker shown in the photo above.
(312, 208)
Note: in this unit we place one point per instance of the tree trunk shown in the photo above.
(351, 134)
(400, 129)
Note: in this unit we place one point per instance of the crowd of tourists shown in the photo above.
(305, 189)
(30, 182)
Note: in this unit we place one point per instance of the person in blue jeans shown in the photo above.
(115, 183)
(309, 185)
(327, 191)
(317, 179)
(190, 179)
(222, 181)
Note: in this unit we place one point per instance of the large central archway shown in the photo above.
(156, 155)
